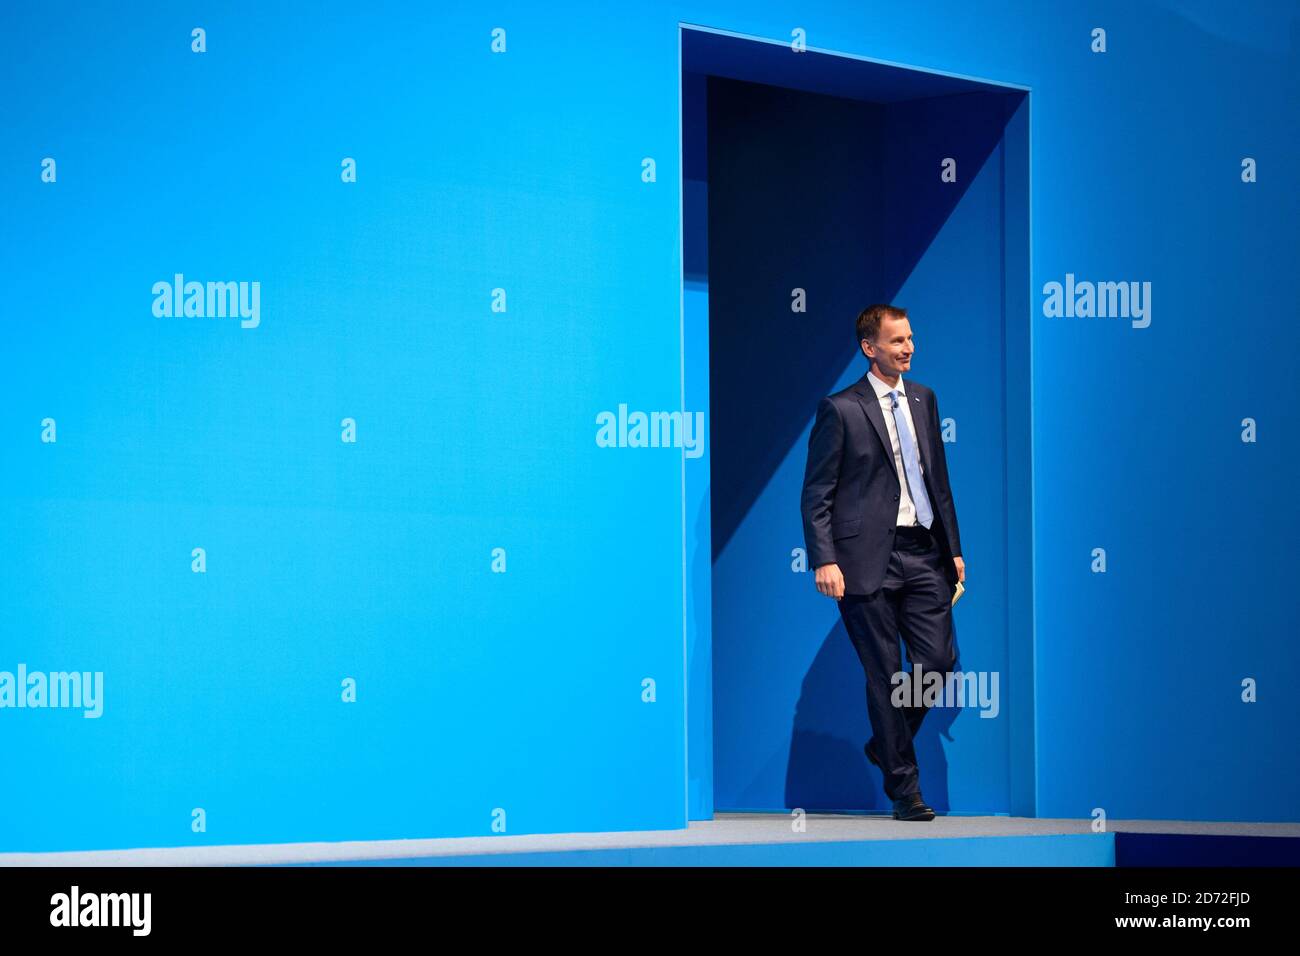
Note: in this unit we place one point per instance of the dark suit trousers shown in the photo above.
(915, 601)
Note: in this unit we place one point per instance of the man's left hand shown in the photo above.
(960, 565)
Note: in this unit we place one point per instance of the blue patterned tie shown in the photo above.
(911, 465)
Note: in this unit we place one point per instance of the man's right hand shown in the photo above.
(830, 581)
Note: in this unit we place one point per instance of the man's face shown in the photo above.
(892, 350)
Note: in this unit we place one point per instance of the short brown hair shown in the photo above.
(869, 320)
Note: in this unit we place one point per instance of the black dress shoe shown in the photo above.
(912, 807)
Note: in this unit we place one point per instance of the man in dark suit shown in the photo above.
(881, 532)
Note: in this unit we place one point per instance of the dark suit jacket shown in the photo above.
(851, 487)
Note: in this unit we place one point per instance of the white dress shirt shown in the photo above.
(906, 507)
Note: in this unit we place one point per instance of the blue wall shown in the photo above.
(476, 430)
(523, 693)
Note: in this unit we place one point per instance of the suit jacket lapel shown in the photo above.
(921, 422)
(870, 403)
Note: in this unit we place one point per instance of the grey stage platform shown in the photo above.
(726, 830)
